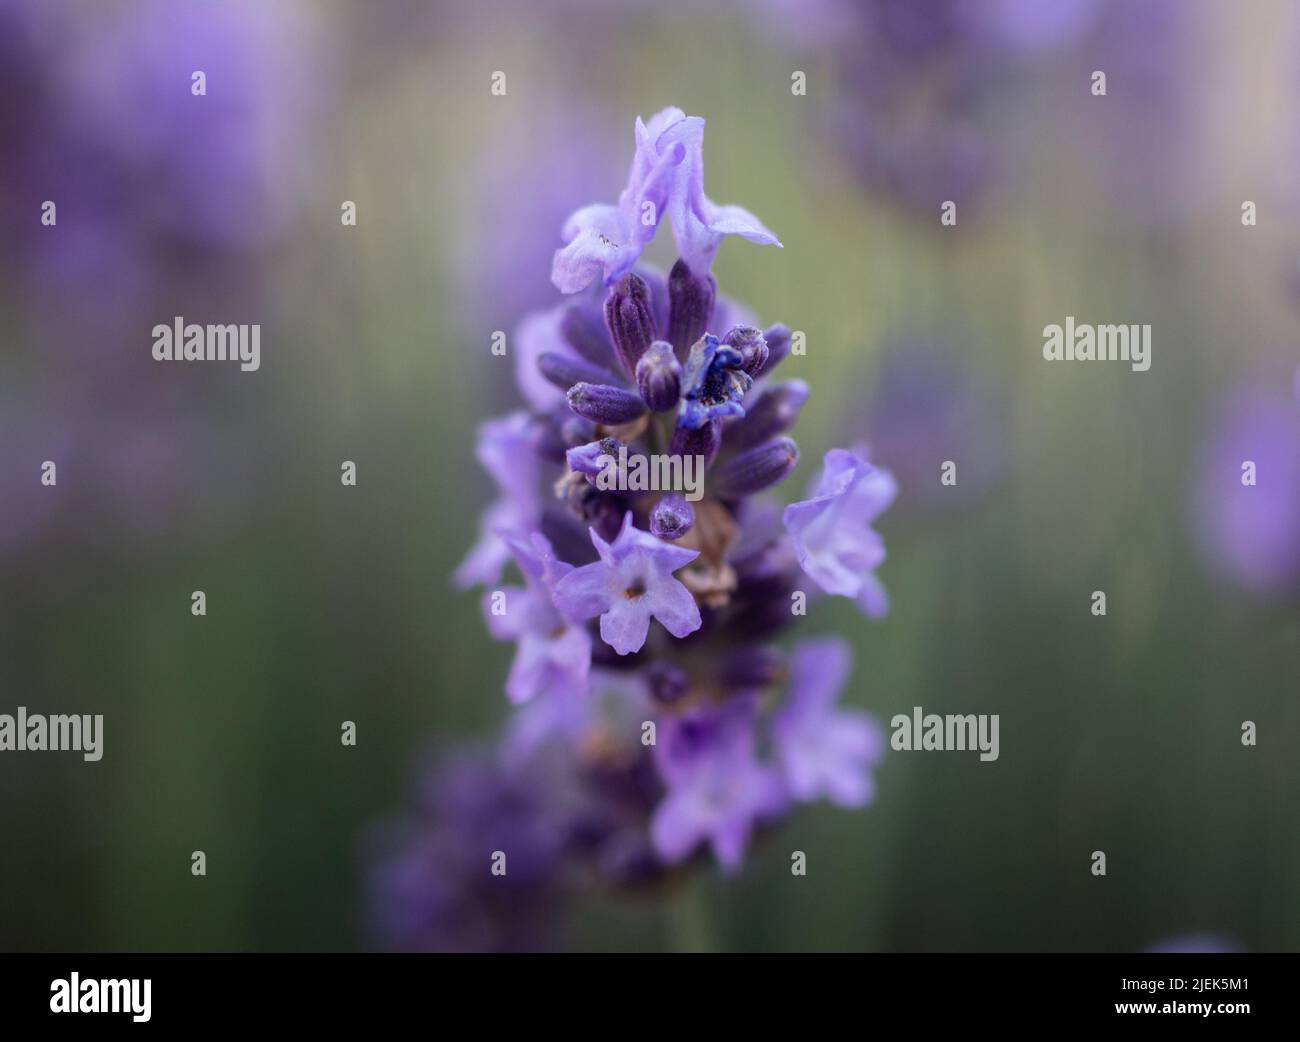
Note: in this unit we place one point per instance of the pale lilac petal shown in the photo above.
(819, 669)
(487, 558)
(675, 830)
(831, 533)
(529, 672)
(601, 244)
(510, 625)
(873, 494)
(730, 839)
(873, 599)
(612, 554)
(736, 220)
(585, 592)
(672, 604)
(850, 790)
(625, 624)
(571, 654)
(539, 334)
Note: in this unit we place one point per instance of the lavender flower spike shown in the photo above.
(657, 358)
(825, 751)
(632, 581)
(832, 536)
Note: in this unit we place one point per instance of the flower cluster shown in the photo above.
(645, 623)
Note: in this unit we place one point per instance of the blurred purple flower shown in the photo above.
(833, 538)
(552, 653)
(823, 750)
(431, 884)
(162, 197)
(506, 451)
(917, 79)
(1250, 534)
(717, 789)
(930, 405)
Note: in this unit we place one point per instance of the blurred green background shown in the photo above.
(328, 603)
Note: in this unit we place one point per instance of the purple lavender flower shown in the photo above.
(667, 177)
(836, 545)
(918, 79)
(631, 583)
(553, 654)
(430, 880)
(1249, 534)
(162, 196)
(666, 366)
(506, 451)
(825, 751)
(930, 405)
(718, 791)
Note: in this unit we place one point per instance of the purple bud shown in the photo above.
(672, 517)
(774, 413)
(659, 376)
(755, 469)
(604, 404)
(690, 307)
(586, 459)
(564, 371)
(668, 683)
(696, 441)
(583, 330)
(751, 345)
(778, 346)
(629, 320)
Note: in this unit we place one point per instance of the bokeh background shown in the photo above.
(328, 603)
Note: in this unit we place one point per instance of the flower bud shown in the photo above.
(672, 517)
(690, 307)
(755, 469)
(604, 404)
(630, 320)
(564, 370)
(696, 441)
(659, 376)
(774, 413)
(777, 338)
(584, 330)
(587, 459)
(751, 345)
